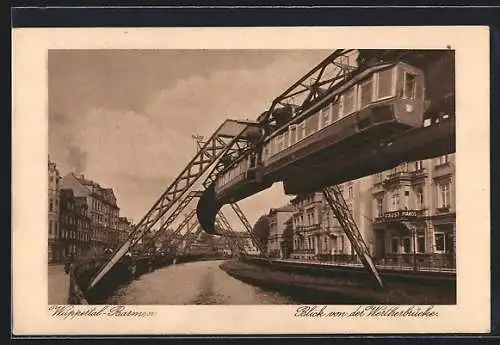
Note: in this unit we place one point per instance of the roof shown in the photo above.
(286, 208)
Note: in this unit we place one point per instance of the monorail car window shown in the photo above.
(293, 134)
(366, 92)
(279, 143)
(385, 84)
(286, 142)
(348, 101)
(335, 112)
(312, 124)
(410, 85)
(301, 127)
(325, 117)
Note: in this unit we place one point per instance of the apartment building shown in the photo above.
(317, 232)
(414, 211)
(54, 246)
(277, 223)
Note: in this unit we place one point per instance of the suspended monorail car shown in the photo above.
(387, 113)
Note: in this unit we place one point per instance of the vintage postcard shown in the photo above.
(251, 181)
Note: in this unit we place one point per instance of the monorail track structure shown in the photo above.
(358, 112)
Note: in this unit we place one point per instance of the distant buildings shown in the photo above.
(103, 211)
(54, 246)
(316, 230)
(277, 223)
(83, 217)
(75, 231)
(124, 229)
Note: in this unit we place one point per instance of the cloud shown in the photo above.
(139, 152)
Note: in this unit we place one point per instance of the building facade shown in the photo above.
(317, 232)
(277, 223)
(102, 210)
(414, 212)
(55, 253)
(124, 229)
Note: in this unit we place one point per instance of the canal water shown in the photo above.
(201, 282)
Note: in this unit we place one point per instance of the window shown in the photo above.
(366, 93)
(420, 244)
(325, 117)
(410, 85)
(293, 134)
(279, 144)
(395, 244)
(439, 242)
(407, 245)
(395, 202)
(335, 111)
(286, 142)
(420, 198)
(348, 100)
(380, 208)
(418, 165)
(51, 205)
(311, 124)
(301, 128)
(385, 84)
(50, 227)
(444, 195)
(442, 159)
(407, 200)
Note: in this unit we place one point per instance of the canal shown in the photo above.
(201, 282)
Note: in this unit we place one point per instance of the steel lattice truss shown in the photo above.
(185, 222)
(335, 199)
(236, 208)
(226, 230)
(192, 238)
(228, 141)
(333, 70)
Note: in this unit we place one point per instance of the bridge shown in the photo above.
(343, 120)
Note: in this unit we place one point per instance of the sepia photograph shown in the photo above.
(324, 179)
(343, 162)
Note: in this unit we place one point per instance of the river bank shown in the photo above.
(341, 288)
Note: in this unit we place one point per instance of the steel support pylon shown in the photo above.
(231, 137)
(335, 199)
(236, 208)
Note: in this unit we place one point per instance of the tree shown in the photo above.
(261, 229)
(287, 243)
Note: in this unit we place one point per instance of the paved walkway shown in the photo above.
(58, 284)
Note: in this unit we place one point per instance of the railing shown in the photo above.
(396, 176)
(406, 262)
(420, 173)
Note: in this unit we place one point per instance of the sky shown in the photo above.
(124, 118)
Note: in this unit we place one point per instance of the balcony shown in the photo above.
(443, 170)
(378, 186)
(398, 216)
(308, 228)
(419, 174)
(398, 177)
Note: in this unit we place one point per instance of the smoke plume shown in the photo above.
(77, 159)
